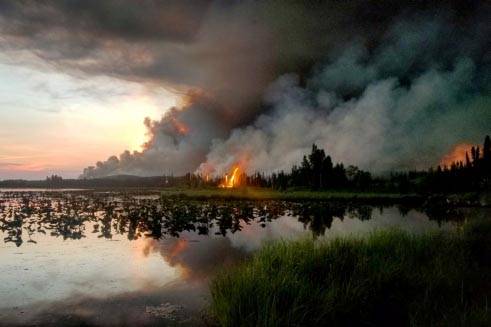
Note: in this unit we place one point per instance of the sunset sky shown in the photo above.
(52, 122)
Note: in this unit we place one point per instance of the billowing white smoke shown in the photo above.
(399, 104)
(389, 126)
(177, 144)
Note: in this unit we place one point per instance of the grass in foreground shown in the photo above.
(388, 279)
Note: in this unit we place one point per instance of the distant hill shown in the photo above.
(114, 181)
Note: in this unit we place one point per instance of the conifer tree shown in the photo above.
(486, 151)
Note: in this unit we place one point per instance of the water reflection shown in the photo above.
(71, 215)
(72, 258)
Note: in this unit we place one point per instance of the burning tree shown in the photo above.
(232, 180)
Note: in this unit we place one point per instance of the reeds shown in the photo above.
(389, 278)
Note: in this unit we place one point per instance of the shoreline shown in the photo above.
(472, 199)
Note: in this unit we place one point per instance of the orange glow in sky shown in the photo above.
(457, 154)
(63, 135)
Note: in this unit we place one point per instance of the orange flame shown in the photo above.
(233, 181)
(457, 154)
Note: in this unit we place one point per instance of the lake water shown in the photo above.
(112, 258)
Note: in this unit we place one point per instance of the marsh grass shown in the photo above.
(389, 278)
(258, 193)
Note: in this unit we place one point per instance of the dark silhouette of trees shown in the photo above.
(320, 167)
(54, 181)
(486, 155)
(473, 175)
(317, 172)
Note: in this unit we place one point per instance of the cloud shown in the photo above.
(177, 144)
(369, 113)
(9, 164)
(345, 53)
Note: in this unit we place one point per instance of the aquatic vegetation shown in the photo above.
(197, 236)
(388, 279)
(71, 215)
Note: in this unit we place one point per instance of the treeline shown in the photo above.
(317, 172)
(120, 181)
(472, 174)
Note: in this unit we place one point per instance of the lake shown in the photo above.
(76, 257)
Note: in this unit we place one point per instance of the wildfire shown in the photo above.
(457, 154)
(232, 180)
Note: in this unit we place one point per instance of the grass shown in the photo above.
(256, 193)
(387, 279)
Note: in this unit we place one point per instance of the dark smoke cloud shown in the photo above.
(342, 52)
(402, 105)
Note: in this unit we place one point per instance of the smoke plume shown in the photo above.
(379, 84)
(387, 122)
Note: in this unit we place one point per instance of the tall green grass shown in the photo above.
(390, 278)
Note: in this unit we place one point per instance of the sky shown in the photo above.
(55, 123)
(93, 88)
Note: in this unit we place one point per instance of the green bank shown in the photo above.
(389, 278)
(476, 199)
(260, 193)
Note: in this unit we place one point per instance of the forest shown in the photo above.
(318, 172)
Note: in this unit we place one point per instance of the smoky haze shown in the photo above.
(380, 84)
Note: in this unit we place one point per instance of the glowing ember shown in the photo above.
(233, 181)
(457, 154)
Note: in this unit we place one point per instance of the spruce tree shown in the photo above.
(486, 151)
